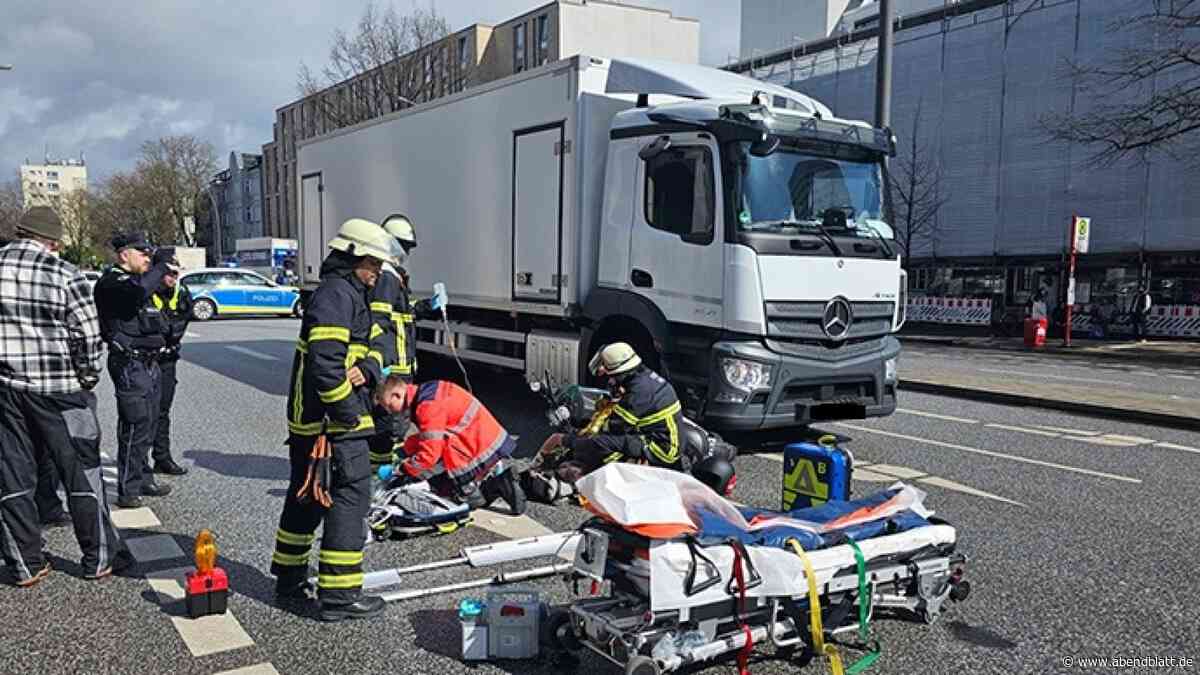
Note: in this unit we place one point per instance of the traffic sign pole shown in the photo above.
(1070, 279)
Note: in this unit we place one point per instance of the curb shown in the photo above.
(1160, 359)
(1089, 409)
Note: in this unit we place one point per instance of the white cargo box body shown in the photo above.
(504, 183)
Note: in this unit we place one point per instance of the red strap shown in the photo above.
(743, 656)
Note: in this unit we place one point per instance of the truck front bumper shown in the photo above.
(809, 383)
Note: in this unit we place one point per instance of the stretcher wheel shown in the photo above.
(960, 591)
(559, 633)
(642, 665)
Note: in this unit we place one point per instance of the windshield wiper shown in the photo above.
(882, 242)
(823, 233)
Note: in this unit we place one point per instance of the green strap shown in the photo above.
(864, 612)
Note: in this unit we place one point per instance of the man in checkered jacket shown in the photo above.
(50, 353)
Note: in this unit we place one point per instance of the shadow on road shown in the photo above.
(241, 465)
(270, 376)
(980, 636)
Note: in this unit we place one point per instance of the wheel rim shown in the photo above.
(204, 310)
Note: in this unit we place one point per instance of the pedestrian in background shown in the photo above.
(50, 352)
(135, 332)
(1142, 303)
(175, 302)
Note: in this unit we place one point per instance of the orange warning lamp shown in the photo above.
(206, 551)
(206, 589)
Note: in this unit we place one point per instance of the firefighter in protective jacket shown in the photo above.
(395, 314)
(333, 374)
(644, 426)
(459, 446)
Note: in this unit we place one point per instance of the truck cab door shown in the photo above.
(676, 251)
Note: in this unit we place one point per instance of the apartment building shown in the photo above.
(473, 55)
(42, 184)
(237, 195)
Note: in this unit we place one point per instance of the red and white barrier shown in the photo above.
(961, 311)
(1162, 321)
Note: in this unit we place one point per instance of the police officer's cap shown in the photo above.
(136, 240)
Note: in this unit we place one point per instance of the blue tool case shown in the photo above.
(815, 473)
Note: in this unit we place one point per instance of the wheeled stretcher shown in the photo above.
(680, 562)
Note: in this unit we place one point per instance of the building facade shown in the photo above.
(468, 57)
(237, 195)
(43, 184)
(973, 81)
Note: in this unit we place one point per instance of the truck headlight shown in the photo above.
(889, 371)
(746, 375)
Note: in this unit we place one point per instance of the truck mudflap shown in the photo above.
(808, 383)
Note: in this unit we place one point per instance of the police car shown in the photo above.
(231, 292)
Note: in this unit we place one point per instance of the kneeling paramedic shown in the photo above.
(459, 446)
(644, 426)
(329, 420)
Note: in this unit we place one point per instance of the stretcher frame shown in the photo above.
(623, 630)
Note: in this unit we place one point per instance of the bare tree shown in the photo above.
(175, 169)
(1147, 97)
(11, 208)
(386, 64)
(915, 184)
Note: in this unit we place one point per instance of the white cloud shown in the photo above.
(17, 107)
(114, 123)
(50, 35)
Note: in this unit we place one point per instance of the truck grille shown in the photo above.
(802, 320)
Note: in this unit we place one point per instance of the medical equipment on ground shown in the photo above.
(815, 473)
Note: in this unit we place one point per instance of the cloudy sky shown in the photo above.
(99, 77)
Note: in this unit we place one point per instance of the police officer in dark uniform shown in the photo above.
(135, 332)
(644, 425)
(329, 397)
(175, 302)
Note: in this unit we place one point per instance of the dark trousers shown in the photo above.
(340, 570)
(138, 391)
(62, 430)
(591, 453)
(49, 506)
(1139, 325)
(162, 433)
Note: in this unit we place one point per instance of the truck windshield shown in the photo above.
(790, 191)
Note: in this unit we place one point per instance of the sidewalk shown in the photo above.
(1162, 352)
(1070, 379)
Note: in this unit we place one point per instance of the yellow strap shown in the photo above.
(341, 557)
(339, 581)
(814, 610)
(337, 333)
(384, 307)
(337, 393)
(285, 537)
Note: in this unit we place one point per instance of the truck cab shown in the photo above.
(744, 246)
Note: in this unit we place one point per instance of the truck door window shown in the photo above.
(679, 193)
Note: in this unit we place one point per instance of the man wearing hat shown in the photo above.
(135, 331)
(50, 352)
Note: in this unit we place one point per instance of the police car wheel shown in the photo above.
(203, 310)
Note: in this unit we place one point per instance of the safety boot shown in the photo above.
(366, 607)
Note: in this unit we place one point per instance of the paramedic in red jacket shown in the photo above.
(458, 445)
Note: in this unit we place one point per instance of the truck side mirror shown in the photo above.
(655, 148)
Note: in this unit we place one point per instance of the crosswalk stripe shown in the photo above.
(207, 635)
(511, 527)
(257, 669)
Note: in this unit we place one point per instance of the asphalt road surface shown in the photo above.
(1081, 535)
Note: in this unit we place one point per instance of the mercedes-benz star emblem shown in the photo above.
(836, 320)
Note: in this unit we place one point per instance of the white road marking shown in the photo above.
(1072, 432)
(511, 527)
(1025, 430)
(959, 487)
(773, 456)
(936, 416)
(990, 453)
(192, 335)
(135, 519)
(1115, 440)
(251, 352)
(1181, 377)
(154, 547)
(206, 635)
(901, 472)
(1172, 446)
(258, 669)
(871, 476)
(1053, 377)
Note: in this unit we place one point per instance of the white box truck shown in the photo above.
(731, 230)
(265, 255)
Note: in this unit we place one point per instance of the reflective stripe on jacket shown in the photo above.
(456, 434)
(649, 415)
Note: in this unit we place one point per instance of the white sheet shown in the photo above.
(781, 570)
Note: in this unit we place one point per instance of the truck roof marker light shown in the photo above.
(205, 551)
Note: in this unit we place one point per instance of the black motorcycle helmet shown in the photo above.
(717, 473)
